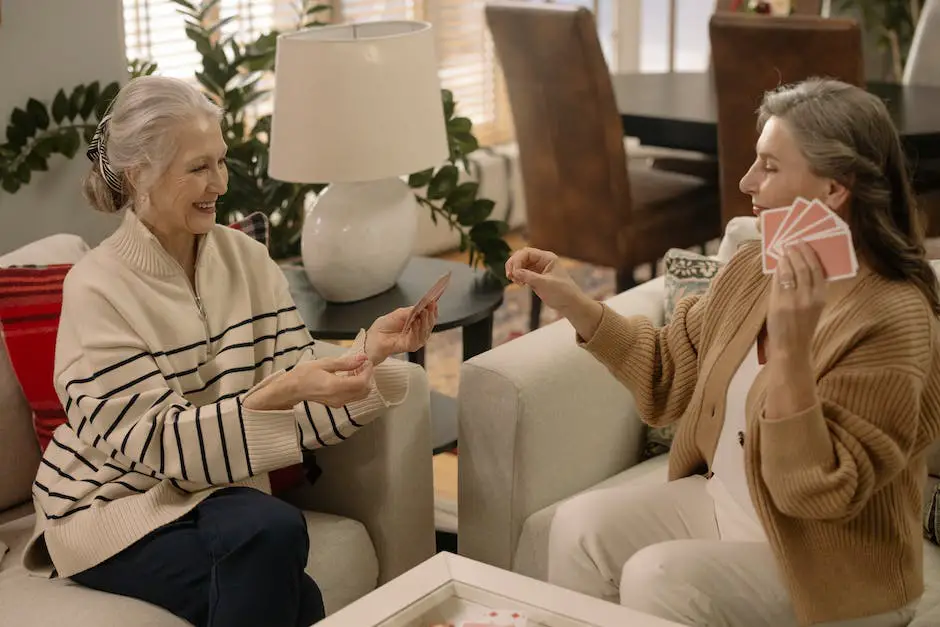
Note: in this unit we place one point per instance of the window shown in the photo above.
(154, 30)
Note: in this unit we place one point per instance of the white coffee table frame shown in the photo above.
(448, 578)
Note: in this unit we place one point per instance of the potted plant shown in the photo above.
(233, 75)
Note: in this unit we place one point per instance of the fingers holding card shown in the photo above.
(817, 225)
(431, 296)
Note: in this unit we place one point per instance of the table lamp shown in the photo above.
(357, 106)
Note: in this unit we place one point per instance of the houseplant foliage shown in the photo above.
(894, 22)
(233, 75)
(38, 131)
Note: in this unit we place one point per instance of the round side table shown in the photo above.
(468, 302)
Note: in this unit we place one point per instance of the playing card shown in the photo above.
(817, 225)
(431, 296)
(500, 618)
(810, 215)
(770, 222)
(836, 254)
(795, 211)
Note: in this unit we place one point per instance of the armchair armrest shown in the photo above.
(540, 420)
(383, 478)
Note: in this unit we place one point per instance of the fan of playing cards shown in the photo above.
(816, 224)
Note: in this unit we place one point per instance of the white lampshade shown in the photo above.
(356, 102)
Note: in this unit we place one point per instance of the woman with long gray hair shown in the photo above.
(804, 406)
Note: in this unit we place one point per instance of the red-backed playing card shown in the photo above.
(432, 295)
(795, 211)
(836, 254)
(770, 222)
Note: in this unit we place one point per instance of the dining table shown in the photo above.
(678, 110)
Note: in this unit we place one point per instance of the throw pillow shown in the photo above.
(30, 305)
(932, 516)
(686, 273)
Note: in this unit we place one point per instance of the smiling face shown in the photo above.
(182, 200)
(781, 173)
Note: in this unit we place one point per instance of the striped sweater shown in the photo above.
(153, 374)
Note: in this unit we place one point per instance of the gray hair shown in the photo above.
(137, 135)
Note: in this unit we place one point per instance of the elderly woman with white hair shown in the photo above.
(187, 376)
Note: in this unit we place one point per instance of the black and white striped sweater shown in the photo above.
(153, 375)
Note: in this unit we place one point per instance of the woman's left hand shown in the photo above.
(387, 335)
(797, 297)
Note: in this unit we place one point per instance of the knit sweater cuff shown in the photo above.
(272, 439)
(794, 451)
(391, 379)
(613, 341)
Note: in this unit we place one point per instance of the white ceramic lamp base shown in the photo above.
(358, 238)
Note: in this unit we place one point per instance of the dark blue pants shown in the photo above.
(237, 559)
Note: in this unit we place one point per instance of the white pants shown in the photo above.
(657, 549)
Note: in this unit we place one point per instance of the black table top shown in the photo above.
(468, 299)
(678, 110)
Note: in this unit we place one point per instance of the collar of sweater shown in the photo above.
(138, 246)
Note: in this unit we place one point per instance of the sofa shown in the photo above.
(540, 421)
(370, 515)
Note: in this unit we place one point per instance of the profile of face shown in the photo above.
(182, 200)
(781, 173)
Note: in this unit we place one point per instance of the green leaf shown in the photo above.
(462, 197)
(466, 142)
(443, 183)
(88, 133)
(46, 145)
(210, 85)
(475, 213)
(318, 8)
(10, 184)
(90, 100)
(60, 106)
(38, 112)
(199, 37)
(221, 24)
(447, 97)
(459, 126)
(420, 179)
(75, 101)
(185, 4)
(36, 163)
(488, 231)
(24, 122)
(108, 94)
(16, 138)
(23, 174)
(70, 142)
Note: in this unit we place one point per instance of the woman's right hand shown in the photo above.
(541, 270)
(333, 381)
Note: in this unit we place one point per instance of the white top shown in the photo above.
(734, 509)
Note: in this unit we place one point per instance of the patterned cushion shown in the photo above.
(254, 225)
(686, 274)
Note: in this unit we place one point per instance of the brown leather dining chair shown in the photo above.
(756, 53)
(582, 200)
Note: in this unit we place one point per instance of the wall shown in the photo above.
(46, 45)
